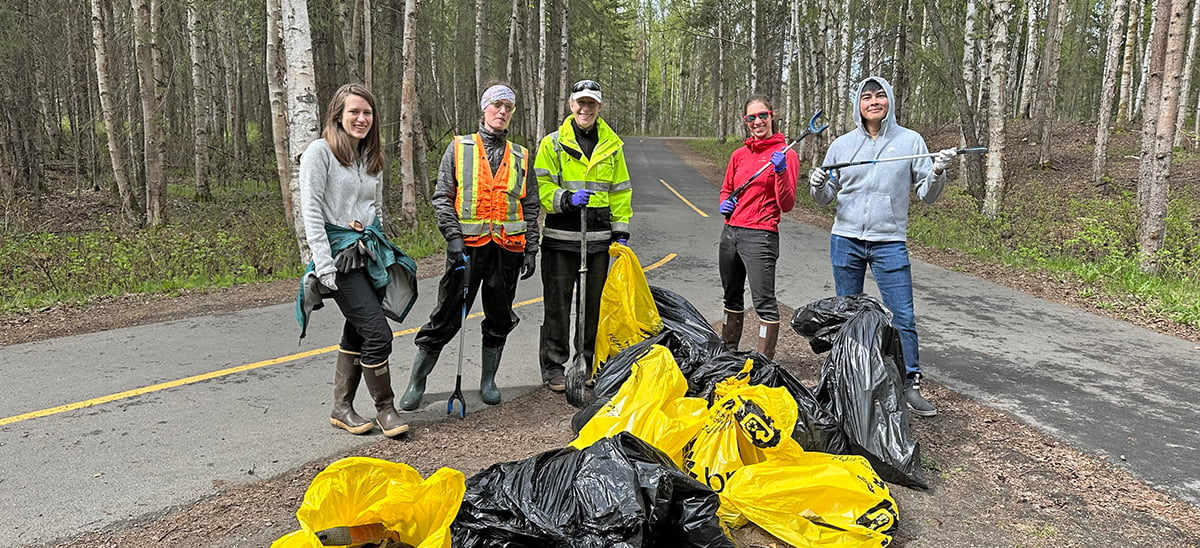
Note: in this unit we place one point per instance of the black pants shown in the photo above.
(497, 270)
(560, 270)
(366, 329)
(749, 252)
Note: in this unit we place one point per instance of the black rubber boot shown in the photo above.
(731, 330)
(422, 366)
(345, 385)
(487, 379)
(379, 383)
(768, 337)
(916, 402)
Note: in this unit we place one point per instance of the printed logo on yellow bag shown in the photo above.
(757, 425)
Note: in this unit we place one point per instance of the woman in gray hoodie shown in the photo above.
(871, 223)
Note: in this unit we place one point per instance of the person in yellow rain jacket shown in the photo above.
(486, 202)
(580, 166)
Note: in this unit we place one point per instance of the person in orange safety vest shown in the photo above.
(487, 206)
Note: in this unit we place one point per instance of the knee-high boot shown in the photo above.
(345, 385)
(731, 330)
(487, 379)
(422, 366)
(379, 383)
(768, 336)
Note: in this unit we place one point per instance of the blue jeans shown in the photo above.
(893, 275)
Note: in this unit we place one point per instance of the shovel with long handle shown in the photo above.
(577, 373)
(462, 336)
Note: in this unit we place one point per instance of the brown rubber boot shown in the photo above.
(379, 383)
(345, 385)
(488, 390)
(731, 330)
(768, 335)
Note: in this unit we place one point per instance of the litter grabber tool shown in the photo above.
(458, 395)
(971, 150)
(578, 371)
(812, 129)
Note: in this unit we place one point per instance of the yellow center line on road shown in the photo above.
(231, 370)
(685, 200)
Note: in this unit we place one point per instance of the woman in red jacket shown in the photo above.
(750, 240)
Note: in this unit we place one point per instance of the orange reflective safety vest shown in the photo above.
(489, 204)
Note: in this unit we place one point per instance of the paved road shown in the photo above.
(193, 406)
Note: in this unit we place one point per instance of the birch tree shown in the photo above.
(1185, 82)
(1029, 71)
(200, 102)
(1124, 111)
(301, 86)
(368, 46)
(1158, 128)
(152, 115)
(130, 207)
(564, 63)
(408, 116)
(539, 119)
(993, 199)
(478, 46)
(277, 98)
(1048, 81)
(1108, 88)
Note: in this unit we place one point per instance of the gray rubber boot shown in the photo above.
(345, 385)
(912, 395)
(487, 379)
(731, 330)
(422, 366)
(379, 383)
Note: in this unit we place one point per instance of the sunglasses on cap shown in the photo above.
(585, 84)
(749, 118)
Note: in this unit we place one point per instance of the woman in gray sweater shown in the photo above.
(341, 199)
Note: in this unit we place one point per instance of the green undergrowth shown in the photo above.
(1051, 229)
(238, 237)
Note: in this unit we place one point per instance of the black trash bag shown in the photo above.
(620, 492)
(685, 333)
(816, 428)
(861, 382)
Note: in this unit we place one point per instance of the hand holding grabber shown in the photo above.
(812, 129)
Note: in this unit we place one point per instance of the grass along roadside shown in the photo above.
(1056, 224)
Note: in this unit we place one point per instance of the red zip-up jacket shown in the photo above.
(771, 194)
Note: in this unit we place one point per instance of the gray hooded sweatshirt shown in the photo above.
(872, 199)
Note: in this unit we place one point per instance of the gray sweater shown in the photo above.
(335, 194)
(872, 199)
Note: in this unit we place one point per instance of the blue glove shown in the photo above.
(623, 242)
(580, 198)
(779, 159)
(728, 206)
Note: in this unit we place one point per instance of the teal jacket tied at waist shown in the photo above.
(388, 267)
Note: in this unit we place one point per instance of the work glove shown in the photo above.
(943, 160)
(779, 160)
(327, 280)
(454, 249)
(728, 206)
(529, 266)
(580, 198)
(818, 177)
(351, 258)
(621, 238)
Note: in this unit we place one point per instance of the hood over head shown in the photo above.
(889, 119)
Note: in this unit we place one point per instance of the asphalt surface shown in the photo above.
(106, 427)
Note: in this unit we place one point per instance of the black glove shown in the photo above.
(529, 266)
(454, 247)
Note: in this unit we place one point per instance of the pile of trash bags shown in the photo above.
(683, 442)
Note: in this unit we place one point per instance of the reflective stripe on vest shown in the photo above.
(476, 199)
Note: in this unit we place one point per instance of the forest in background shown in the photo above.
(157, 110)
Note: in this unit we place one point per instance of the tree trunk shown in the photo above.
(1124, 111)
(1185, 83)
(478, 46)
(152, 117)
(563, 62)
(1140, 95)
(970, 58)
(112, 128)
(722, 122)
(754, 60)
(539, 119)
(408, 114)
(973, 169)
(200, 101)
(368, 46)
(302, 121)
(993, 200)
(1048, 81)
(1158, 128)
(514, 27)
(1029, 72)
(277, 96)
(349, 48)
(1108, 88)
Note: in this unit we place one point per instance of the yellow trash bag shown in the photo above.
(627, 311)
(650, 405)
(354, 496)
(815, 500)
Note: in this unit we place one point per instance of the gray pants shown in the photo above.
(749, 253)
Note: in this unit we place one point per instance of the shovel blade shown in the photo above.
(577, 383)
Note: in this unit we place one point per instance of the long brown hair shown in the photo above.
(369, 148)
(766, 103)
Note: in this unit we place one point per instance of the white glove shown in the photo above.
(943, 160)
(818, 177)
(327, 280)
